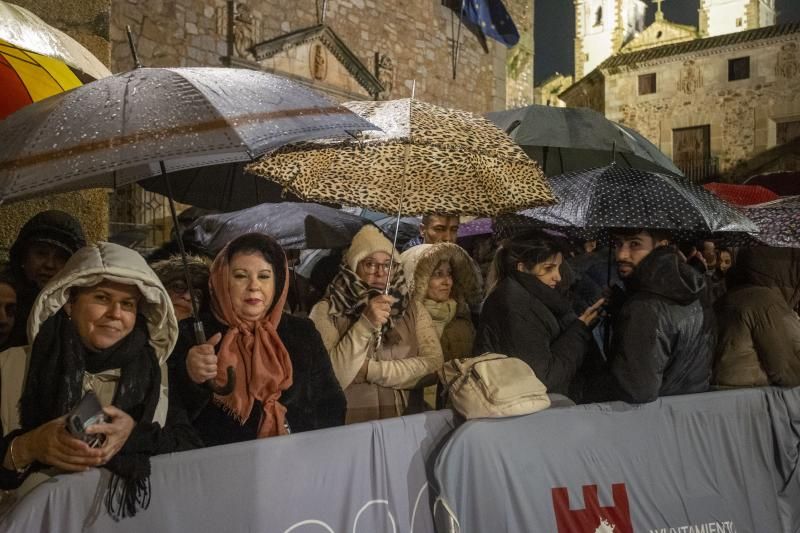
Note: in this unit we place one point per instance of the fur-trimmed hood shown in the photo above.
(420, 261)
(171, 269)
(107, 261)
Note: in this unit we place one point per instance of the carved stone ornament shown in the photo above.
(787, 65)
(318, 61)
(384, 71)
(691, 78)
(245, 30)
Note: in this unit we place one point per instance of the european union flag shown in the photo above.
(492, 19)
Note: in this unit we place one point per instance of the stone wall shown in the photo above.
(693, 90)
(415, 34)
(86, 21)
(519, 59)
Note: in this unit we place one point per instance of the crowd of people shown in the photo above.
(646, 318)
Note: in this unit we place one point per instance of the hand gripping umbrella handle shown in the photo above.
(200, 338)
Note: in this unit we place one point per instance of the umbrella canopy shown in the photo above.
(21, 28)
(564, 139)
(225, 188)
(778, 222)
(618, 197)
(783, 183)
(427, 159)
(479, 226)
(294, 226)
(123, 128)
(38, 60)
(741, 194)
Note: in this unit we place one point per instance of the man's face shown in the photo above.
(8, 310)
(42, 261)
(709, 253)
(439, 229)
(631, 249)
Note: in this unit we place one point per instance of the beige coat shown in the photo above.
(409, 354)
(86, 268)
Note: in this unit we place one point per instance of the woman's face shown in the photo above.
(440, 284)
(548, 271)
(181, 298)
(725, 261)
(251, 284)
(42, 261)
(104, 314)
(374, 269)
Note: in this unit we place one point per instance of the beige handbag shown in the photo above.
(493, 385)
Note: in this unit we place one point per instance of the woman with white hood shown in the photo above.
(104, 324)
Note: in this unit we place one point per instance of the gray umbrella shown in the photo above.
(295, 226)
(151, 121)
(566, 139)
(124, 128)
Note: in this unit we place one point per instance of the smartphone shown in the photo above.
(88, 412)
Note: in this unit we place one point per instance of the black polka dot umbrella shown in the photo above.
(594, 200)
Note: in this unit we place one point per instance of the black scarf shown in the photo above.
(55, 385)
(551, 298)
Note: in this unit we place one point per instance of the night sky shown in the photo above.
(554, 29)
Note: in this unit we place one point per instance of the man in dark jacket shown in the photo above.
(661, 339)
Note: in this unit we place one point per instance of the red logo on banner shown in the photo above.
(593, 518)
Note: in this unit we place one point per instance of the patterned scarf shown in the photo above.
(348, 295)
(254, 350)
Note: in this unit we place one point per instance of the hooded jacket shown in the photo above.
(419, 262)
(53, 227)
(88, 267)
(661, 339)
(759, 341)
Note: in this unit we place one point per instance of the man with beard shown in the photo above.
(435, 229)
(661, 342)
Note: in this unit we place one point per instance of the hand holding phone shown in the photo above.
(87, 413)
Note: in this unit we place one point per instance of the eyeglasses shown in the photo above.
(371, 267)
(179, 288)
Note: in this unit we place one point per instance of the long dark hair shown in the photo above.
(528, 248)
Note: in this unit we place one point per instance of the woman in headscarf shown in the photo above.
(40, 250)
(103, 324)
(526, 316)
(283, 377)
(759, 329)
(384, 348)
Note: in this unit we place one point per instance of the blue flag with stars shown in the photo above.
(491, 17)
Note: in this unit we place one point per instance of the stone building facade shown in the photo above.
(405, 43)
(710, 104)
(546, 93)
(602, 27)
(718, 17)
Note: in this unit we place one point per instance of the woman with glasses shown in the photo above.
(383, 347)
(283, 378)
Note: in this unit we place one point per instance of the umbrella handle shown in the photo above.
(224, 390)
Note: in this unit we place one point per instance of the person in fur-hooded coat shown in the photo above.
(445, 280)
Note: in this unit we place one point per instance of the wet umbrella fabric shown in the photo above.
(569, 139)
(741, 194)
(427, 159)
(618, 197)
(778, 222)
(123, 128)
(295, 226)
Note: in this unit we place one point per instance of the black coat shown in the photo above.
(314, 401)
(526, 319)
(662, 338)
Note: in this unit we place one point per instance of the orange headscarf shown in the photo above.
(254, 350)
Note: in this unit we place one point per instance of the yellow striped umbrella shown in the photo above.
(38, 60)
(29, 77)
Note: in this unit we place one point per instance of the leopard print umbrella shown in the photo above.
(427, 159)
